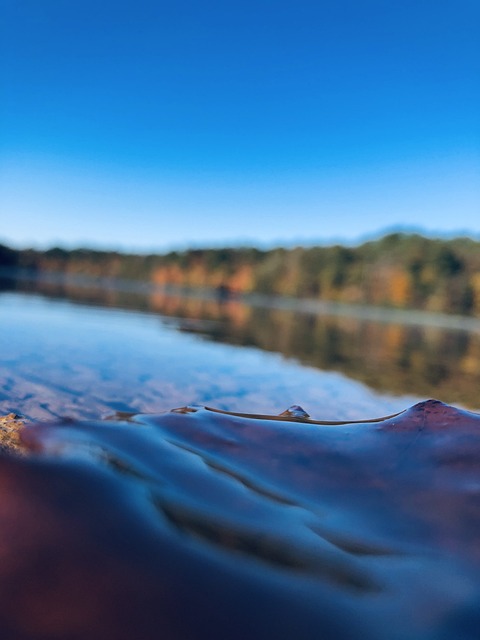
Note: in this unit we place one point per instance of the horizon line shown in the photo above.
(243, 243)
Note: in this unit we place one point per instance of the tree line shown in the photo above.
(405, 271)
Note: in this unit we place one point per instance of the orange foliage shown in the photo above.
(170, 274)
(242, 279)
(390, 285)
(400, 288)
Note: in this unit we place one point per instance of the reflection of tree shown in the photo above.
(391, 357)
(424, 361)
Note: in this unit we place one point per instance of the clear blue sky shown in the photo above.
(155, 124)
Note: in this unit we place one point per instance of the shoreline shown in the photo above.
(311, 306)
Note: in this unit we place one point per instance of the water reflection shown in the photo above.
(389, 356)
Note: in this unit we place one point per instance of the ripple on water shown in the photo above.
(198, 523)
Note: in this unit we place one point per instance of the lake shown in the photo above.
(155, 491)
(87, 351)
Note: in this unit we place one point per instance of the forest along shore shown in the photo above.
(400, 271)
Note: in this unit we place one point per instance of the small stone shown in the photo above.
(10, 425)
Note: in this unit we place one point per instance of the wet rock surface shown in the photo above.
(10, 426)
(198, 523)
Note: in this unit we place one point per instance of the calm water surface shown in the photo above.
(62, 359)
(86, 352)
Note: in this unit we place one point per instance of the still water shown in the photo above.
(86, 352)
